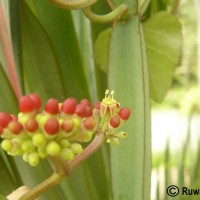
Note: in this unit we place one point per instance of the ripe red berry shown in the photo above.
(124, 113)
(26, 104)
(85, 102)
(52, 106)
(68, 125)
(15, 127)
(31, 125)
(115, 121)
(5, 118)
(89, 123)
(97, 105)
(14, 117)
(88, 111)
(36, 100)
(51, 126)
(81, 110)
(69, 106)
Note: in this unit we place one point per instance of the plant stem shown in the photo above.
(88, 151)
(110, 17)
(175, 7)
(63, 168)
(53, 180)
(8, 53)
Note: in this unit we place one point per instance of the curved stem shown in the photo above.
(88, 151)
(8, 52)
(53, 180)
(110, 17)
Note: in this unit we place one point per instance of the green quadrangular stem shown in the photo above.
(128, 76)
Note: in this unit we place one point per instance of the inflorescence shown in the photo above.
(61, 128)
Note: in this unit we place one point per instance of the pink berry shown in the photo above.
(89, 123)
(52, 106)
(31, 125)
(115, 121)
(51, 126)
(26, 104)
(85, 102)
(124, 113)
(36, 100)
(69, 106)
(5, 118)
(81, 110)
(97, 105)
(68, 125)
(15, 127)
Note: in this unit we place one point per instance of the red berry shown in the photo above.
(51, 126)
(26, 104)
(52, 106)
(36, 100)
(89, 123)
(68, 125)
(115, 121)
(31, 125)
(88, 111)
(81, 110)
(1, 130)
(85, 102)
(5, 118)
(97, 105)
(124, 113)
(14, 117)
(69, 106)
(15, 127)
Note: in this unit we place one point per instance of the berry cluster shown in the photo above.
(60, 128)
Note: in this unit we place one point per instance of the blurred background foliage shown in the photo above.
(60, 53)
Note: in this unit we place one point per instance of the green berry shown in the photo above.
(64, 143)
(33, 159)
(53, 148)
(76, 148)
(6, 145)
(67, 154)
(39, 140)
(42, 152)
(27, 146)
(43, 120)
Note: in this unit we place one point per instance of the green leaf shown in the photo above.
(101, 50)
(2, 197)
(41, 67)
(58, 25)
(163, 40)
(8, 100)
(128, 76)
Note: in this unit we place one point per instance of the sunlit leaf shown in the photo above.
(163, 40)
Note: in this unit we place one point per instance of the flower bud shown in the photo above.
(26, 104)
(5, 118)
(76, 148)
(68, 125)
(114, 141)
(51, 126)
(31, 125)
(124, 113)
(89, 123)
(53, 148)
(15, 127)
(115, 121)
(36, 100)
(51, 106)
(69, 106)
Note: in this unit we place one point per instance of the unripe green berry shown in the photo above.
(64, 143)
(39, 140)
(43, 120)
(23, 118)
(6, 145)
(76, 122)
(27, 146)
(25, 157)
(88, 136)
(53, 148)
(42, 152)
(33, 159)
(67, 154)
(76, 148)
